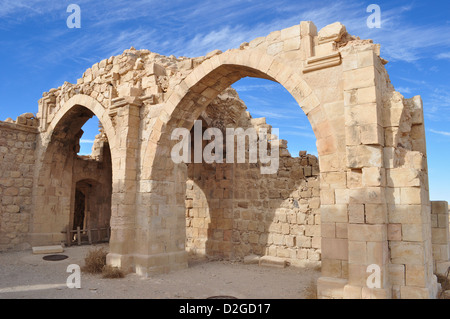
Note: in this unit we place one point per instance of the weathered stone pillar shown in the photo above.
(126, 115)
(440, 236)
(367, 228)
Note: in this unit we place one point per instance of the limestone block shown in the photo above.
(328, 230)
(335, 248)
(270, 261)
(373, 176)
(403, 214)
(331, 267)
(439, 207)
(409, 292)
(331, 32)
(372, 134)
(357, 252)
(403, 177)
(48, 249)
(411, 195)
(412, 232)
(324, 49)
(359, 78)
(356, 214)
(303, 241)
(415, 275)
(314, 255)
(291, 44)
(377, 253)
(397, 274)
(364, 156)
(275, 48)
(251, 259)
(439, 236)
(375, 195)
(155, 69)
(407, 253)
(354, 178)
(376, 213)
(292, 32)
(364, 232)
(330, 288)
(375, 293)
(394, 231)
(341, 230)
(352, 292)
(341, 196)
(334, 213)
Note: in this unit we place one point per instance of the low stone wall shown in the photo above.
(440, 236)
(17, 158)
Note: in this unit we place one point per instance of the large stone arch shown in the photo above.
(162, 238)
(342, 89)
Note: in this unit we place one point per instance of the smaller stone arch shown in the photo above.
(89, 103)
(56, 163)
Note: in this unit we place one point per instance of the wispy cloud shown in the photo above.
(273, 115)
(404, 90)
(255, 87)
(84, 141)
(443, 56)
(440, 132)
(297, 133)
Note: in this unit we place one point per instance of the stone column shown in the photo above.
(125, 113)
(440, 236)
(367, 227)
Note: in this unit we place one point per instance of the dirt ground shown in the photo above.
(24, 275)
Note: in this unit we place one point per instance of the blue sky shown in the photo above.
(39, 52)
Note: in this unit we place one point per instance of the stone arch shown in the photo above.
(206, 81)
(186, 102)
(56, 158)
(91, 104)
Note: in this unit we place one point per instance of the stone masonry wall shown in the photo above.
(17, 157)
(232, 210)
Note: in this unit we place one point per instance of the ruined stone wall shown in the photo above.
(17, 157)
(232, 210)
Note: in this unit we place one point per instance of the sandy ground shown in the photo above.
(24, 275)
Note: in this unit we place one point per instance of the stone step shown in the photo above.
(48, 249)
(270, 261)
(251, 259)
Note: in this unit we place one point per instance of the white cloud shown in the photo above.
(83, 141)
(254, 87)
(440, 132)
(269, 114)
(404, 90)
(297, 133)
(443, 56)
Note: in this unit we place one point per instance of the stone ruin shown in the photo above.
(364, 201)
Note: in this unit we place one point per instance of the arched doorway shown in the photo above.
(72, 190)
(184, 106)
